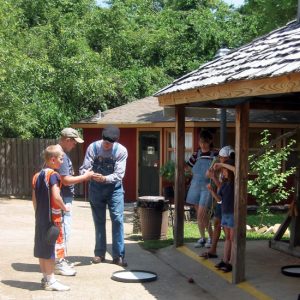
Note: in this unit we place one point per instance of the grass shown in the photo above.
(269, 220)
(191, 232)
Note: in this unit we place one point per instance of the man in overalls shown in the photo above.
(107, 158)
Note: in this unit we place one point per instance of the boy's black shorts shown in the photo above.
(41, 248)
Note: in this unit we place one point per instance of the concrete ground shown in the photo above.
(20, 276)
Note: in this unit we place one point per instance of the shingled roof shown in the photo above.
(147, 111)
(141, 111)
(272, 55)
(144, 111)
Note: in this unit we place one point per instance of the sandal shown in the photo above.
(98, 259)
(227, 268)
(220, 265)
(208, 255)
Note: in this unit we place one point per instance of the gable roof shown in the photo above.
(140, 111)
(147, 112)
(275, 54)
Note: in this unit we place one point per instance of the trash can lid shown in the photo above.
(152, 198)
(134, 276)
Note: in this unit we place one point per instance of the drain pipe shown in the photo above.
(223, 127)
(298, 12)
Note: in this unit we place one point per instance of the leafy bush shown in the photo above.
(269, 185)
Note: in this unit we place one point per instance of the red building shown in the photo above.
(148, 133)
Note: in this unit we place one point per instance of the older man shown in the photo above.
(107, 158)
(69, 138)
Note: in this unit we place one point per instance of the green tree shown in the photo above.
(267, 15)
(63, 60)
(269, 185)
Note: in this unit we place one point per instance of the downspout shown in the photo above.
(298, 12)
(223, 127)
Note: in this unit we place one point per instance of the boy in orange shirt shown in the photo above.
(46, 184)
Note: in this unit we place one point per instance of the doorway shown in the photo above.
(149, 163)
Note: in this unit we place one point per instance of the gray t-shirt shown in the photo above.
(66, 169)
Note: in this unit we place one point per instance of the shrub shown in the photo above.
(269, 185)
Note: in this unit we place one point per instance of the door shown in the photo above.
(149, 155)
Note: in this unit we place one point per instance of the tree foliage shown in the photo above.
(63, 60)
(268, 15)
(269, 185)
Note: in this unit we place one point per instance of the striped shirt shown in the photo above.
(193, 158)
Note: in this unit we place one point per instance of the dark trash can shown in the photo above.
(153, 213)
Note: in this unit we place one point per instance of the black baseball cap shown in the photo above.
(111, 133)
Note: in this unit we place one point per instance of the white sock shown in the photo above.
(50, 278)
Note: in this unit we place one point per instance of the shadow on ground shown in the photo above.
(22, 267)
(25, 285)
(80, 261)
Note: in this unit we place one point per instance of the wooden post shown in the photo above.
(240, 192)
(179, 176)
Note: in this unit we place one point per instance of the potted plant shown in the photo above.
(167, 172)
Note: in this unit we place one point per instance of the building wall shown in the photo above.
(127, 139)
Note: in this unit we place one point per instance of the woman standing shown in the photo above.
(198, 194)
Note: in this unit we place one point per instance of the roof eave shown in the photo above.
(288, 83)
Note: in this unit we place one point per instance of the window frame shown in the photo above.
(168, 149)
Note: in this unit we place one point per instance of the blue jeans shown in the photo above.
(101, 195)
(67, 219)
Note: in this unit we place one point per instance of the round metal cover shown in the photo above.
(293, 270)
(134, 276)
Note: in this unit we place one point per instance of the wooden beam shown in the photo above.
(276, 105)
(282, 229)
(274, 142)
(179, 176)
(285, 247)
(235, 90)
(240, 192)
(189, 124)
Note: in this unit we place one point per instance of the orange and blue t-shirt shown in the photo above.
(42, 183)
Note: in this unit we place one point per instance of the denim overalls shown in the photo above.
(111, 194)
(198, 193)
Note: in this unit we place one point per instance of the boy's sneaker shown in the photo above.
(208, 243)
(70, 264)
(200, 243)
(56, 286)
(62, 268)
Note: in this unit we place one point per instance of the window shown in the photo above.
(171, 141)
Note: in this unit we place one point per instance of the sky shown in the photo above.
(236, 3)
